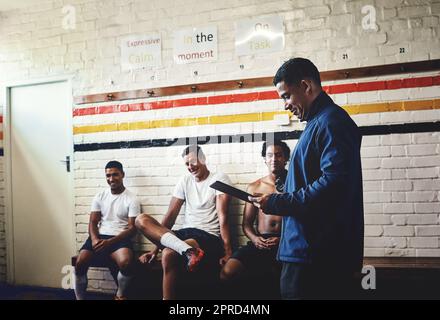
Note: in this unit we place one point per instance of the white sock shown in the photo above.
(123, 283)
(169, 240)
(80, 287)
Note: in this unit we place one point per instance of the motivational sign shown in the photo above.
(259, 35)
(141, 51)
(195, 45)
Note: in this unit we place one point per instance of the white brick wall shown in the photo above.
(401, 171)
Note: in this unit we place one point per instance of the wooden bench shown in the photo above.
(404, 278)
(396, 277)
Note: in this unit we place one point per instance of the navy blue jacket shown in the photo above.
(322, 207)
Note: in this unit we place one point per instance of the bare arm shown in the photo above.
(170, 217)
(249, 216)
(222, 204)
(95, 218)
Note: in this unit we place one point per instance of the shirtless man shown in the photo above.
(259, 255)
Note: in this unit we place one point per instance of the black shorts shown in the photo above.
(257, 260)
(125, 243)
(102, 258)
(210, 244)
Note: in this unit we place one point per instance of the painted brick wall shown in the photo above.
(2, 226)
(401, 173)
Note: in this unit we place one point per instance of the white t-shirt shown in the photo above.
(200, 201)
(115, 210)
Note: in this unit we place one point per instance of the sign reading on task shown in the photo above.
(141, 51)
(195, 45)
(259, 35)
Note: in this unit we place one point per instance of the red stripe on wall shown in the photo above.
(394, 84)
(371, 86)
(258, 96)
(267, 95)
(220, 99)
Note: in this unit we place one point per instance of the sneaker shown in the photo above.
(194, 256)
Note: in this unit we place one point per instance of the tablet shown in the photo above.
(226, 188)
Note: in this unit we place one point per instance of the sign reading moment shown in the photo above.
(195, 45)
(141, 51)
(259, 35)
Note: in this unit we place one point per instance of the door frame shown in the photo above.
(9, 221)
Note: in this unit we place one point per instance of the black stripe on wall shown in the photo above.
(252, 137)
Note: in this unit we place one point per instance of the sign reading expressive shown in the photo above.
(195, 45)
(259, 35)
(141, 51)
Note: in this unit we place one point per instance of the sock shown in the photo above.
(169, 240)
(80, 286)
(123, 284)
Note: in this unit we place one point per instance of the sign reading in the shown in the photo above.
(195, 45)
(259, 35)
(141, 51)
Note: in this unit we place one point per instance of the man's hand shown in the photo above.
(102, 244)
(260, 201)
(149, 256)
(260, 243)
(224, 259)
(95, 242)
(273, 241)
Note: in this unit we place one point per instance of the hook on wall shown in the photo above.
(110, 97)
(240, 84)
(193, 89)
(150, 93)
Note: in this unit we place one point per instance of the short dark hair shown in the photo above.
(194, 148)
(282, 144)
(114, 164)
(296, 69)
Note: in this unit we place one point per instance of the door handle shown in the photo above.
(67, 162)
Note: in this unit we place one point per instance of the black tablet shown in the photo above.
(226, 188)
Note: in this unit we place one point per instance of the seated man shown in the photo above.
(205, 231)
(259, 255)
(111, 226)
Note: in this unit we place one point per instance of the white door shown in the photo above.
(42, 197)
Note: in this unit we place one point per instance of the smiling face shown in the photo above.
(196, 166)
(297, 98)
(115, 179)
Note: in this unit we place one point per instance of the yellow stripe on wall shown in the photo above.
(253, 117)
(393, 106)
(182, 122)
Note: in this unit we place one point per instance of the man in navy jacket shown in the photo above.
(323, 226)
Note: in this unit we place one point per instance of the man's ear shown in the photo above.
(307, 86)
